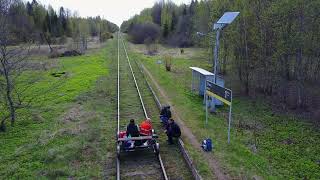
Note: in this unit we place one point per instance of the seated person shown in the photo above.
(146, 127)
(133, 131)
(165, 114)
(172, 130)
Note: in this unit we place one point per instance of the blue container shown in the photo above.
(207, 144)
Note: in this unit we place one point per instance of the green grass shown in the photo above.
(69, 131)
(46, 144)
(274, 159)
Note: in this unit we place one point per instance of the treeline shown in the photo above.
(23, 27)
(34, 18)
(176, 23)
(272, 48)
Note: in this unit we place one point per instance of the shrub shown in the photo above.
(139, 33)
(168, 62)
(62, 40)
(151, 46)
(54, 54)
(105, 36)
(180, 40)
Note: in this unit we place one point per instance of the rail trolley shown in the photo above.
(140, 143)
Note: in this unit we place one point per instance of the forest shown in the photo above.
(25, 28)
(50, 26)
(272, 49)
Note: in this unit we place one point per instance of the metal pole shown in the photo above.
(206, 108)
(229, 127)
(216, 55)
(206, 98)
(192, 81)
(205, 91)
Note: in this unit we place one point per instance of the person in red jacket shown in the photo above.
(146, 128)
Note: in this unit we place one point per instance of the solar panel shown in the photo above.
(228, 17)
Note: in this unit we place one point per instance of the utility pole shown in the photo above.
(225, 20)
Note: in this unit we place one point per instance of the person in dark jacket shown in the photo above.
(132, 129)
(172, 130)
(165, 115)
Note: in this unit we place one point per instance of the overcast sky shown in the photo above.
(115, 11)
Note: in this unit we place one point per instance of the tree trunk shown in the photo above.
(247, 70)
(3, 126)
(8, 90)
(9, 99)
(287, 67)
(300, 55)
(48, 41)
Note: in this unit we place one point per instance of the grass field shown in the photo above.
(66, 134)
(263, 144)
(70, 131)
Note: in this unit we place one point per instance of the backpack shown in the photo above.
(207, 145)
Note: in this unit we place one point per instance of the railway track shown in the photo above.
(137, 164)
(182, 151)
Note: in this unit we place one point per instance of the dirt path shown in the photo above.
(187, 133)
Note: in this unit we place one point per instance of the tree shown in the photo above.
(165, 30)
(174, 21)
(185, 11)
(272, 47)
(11, 63)
(46, 31)
(29, 9)
(63, 21)
(156, 13)
(148, 32)
(14, 61)
(192, 8)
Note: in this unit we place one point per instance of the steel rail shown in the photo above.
(135, 81)
(118, 111)
(141, 101)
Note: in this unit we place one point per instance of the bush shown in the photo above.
(105, 36)
(168, 62)
(54, 54)
(151, 46)
(183, 35)
(140, 33)
(62, 40)
(180, 40)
